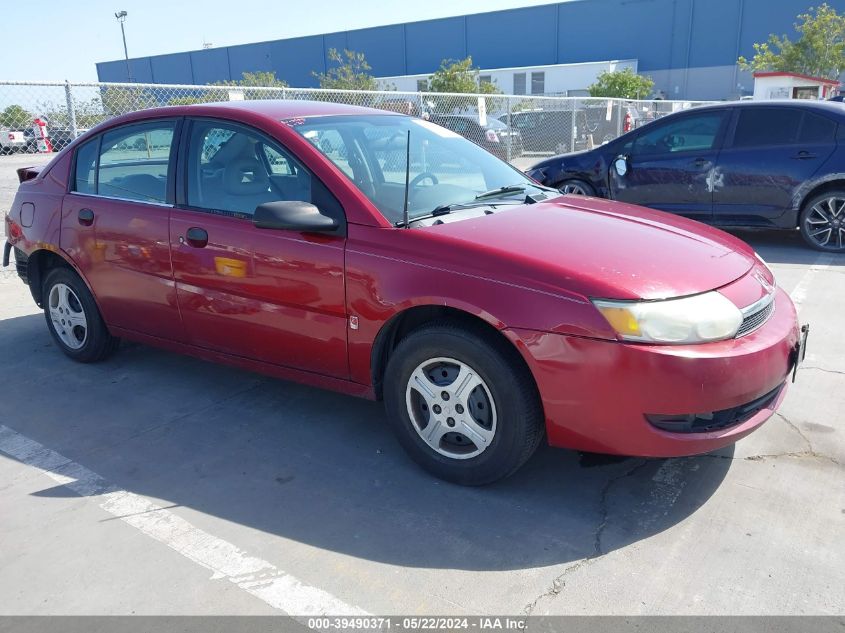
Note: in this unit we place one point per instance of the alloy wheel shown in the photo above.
(68, 316)
(451, 408)
(824, 224)
(574, 189)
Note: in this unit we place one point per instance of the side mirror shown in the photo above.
(292, 215)
(621, 166)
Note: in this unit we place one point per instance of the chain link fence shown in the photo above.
(46, 116)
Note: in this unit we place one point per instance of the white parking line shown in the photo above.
(254, 575)
(799, 293)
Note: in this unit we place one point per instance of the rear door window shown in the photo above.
(767, 127)
(135, 162)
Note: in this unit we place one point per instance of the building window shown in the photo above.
(538, 83)
(485, 79)
(519, 83)
(422, 85)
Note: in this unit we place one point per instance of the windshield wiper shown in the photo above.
(519, 188)
(501, 191)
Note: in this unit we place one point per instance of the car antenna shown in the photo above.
(407, 179)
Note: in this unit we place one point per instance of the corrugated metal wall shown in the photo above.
(664, 35)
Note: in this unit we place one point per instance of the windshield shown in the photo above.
(445, 168)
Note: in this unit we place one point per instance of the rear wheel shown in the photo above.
(576, 188)
(462, 404)
(822, 222)
(73, 318)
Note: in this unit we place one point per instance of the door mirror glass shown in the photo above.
(621, 166)
(293, 215)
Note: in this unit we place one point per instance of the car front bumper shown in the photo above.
(599, 396)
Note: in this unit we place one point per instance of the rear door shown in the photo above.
(269, 295)
(772, 152)
(672, 164)
(115, 225)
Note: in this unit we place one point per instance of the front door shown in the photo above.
(115, 226)
(269, 295)
(671, 165)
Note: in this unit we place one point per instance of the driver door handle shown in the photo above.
(804, 155)
(701, 162)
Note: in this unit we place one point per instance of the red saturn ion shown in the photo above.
(384, 256)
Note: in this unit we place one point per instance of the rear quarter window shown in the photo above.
(817, 129)
(85, 171)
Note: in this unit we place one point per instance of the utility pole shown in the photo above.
(121, 17)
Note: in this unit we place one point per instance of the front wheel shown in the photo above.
(576, 188)
(822, 222)
(462, 404)
(73, 318)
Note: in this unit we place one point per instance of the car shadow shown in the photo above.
(323, 469)
(785, 247)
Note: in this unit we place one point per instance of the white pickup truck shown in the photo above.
(12, 141)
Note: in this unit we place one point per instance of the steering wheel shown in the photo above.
(423, 176)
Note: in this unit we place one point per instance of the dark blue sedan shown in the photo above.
(773, 165)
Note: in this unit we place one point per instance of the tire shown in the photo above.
(73, 318)
(501, 404)
(576, 188)
(822, 222)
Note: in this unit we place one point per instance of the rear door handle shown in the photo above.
(196, 237)
(804, 155)
(701, 162)
(86, 217)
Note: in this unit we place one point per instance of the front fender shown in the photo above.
(384, 280)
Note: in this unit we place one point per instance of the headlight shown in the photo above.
(698, 319)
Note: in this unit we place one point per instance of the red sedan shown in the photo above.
(384, 256)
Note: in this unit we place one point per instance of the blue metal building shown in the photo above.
(689, 47)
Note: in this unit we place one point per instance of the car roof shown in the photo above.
(829, 107)
(273, 110)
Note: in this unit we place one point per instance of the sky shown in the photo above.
(63, 39)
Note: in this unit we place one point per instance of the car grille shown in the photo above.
(756, 317)
(21, 261)
(714, 420)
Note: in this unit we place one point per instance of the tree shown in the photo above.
(819, 50)
(15, 117)
(248, 81)
(350, 73)
(459, 76)
(120, 100)
(258, 79)
(621, 84)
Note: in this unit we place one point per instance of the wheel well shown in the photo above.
(38, 265)
(402, 324)
(833, 185)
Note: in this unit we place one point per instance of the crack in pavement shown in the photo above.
(558, 583)
(827, 371)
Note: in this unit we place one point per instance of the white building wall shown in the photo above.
(558, 78)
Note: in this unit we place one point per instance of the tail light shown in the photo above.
(11, 136)
(492, 136)
(629, 123)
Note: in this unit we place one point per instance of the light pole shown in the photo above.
(121, 17)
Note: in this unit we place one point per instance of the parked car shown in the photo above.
(492, 136)
(489, 312)
(776, 165)
(12, 141)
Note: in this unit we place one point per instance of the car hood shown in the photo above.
(599, 248)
